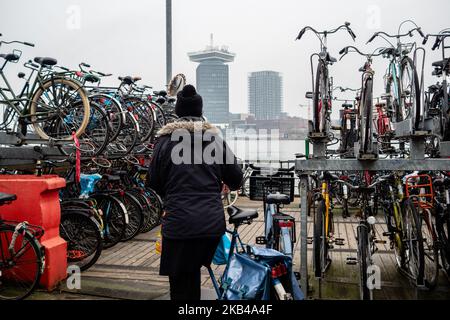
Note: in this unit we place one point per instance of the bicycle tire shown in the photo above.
(443, 229)
(81, 95)
(84, 237)
(98, 120)
(156, 208)
(319, 243)
(127, 138)
(146, 209)
(415, 86)
(363, 261)
(113, 111)
(114, 218)
(37, 265)
(366, 112)
(319, 115)
(135, 216)
(415, 257)
(395, 105)
(431, 250)
(144, 114)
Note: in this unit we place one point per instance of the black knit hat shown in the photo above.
(189, 103)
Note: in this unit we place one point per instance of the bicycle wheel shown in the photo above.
(155, 209)
(364, 261)
(127, 137)
(160, 116)
(144, 115)
(83, 236)
(431, 249)
(394, 222)
(113, 111)
(414, 252)
(96, 132)
(320, 245)
(114, 218)
(135, 216)
(366, 119)
(146, 209)
(443, 229)
(410, 91)
(320, 103)
(20, 271)
(393, 91)
(55, 99)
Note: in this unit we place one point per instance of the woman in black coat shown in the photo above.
(190, 164)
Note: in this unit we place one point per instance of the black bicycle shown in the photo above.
(21, 256)
(322, 82)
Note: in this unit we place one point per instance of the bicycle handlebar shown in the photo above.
(20, 42)
(377, 181)
(346, 26)
(398, 36)
(439, 37)
(345, 51)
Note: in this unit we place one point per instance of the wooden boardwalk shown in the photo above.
(137, 262)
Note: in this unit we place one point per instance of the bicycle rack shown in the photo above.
(318, 162)
(19, 150)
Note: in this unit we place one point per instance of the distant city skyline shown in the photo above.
(128, 38)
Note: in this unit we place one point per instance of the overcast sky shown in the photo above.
(128, 37)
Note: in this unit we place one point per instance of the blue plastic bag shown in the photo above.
(87, 184)
(222, 251)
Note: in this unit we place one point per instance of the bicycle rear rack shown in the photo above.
(424, 184)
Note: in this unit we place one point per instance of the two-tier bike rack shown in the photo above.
(318, 162)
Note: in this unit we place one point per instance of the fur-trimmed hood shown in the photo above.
(191, 126)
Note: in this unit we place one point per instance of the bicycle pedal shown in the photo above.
(351, 261)
(339, 241)
(380, 241)
(297, 275)
(261, 240)
(309, 240)
(387, 234)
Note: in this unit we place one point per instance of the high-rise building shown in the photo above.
(213, 81)
(265, 97)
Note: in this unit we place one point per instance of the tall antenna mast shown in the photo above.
(212, 41)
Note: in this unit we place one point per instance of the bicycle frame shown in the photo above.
(235, 242)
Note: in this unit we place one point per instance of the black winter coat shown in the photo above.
(191, 190)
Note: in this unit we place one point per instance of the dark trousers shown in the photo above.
(185, 286)
(182, 260)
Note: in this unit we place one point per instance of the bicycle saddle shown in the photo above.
(331, 59)
(6, 197)
(127, 80)
(10, 57)
(45, 61)
(161, 93)
(441, 63)
(160, 100)
(278, 198)
(91, 78)
(239, 216)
